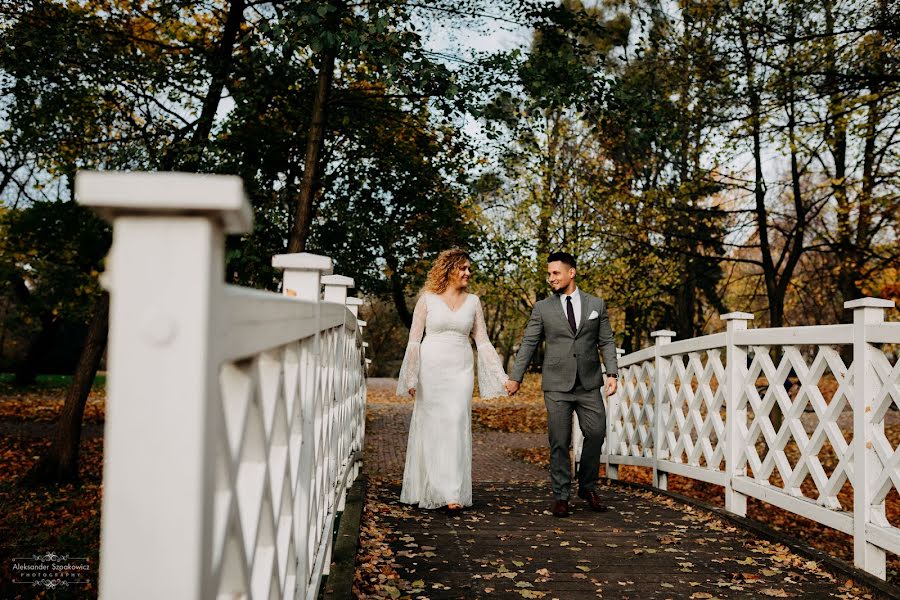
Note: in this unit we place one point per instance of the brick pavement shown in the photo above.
(387, 426)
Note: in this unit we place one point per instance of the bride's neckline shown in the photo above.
(461, 304)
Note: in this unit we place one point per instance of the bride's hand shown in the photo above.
(412, 392)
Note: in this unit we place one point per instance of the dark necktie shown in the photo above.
(570, 313)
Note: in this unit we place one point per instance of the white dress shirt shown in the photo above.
(576, 306)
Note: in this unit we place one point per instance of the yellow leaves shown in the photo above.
(44, 405)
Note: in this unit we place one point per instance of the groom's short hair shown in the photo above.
(563, 257)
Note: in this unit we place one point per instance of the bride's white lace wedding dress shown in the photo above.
(440, 368)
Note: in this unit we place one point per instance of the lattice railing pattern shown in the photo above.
(885, 475)
(235, 417)
(631, 418)
(693, 407)
(259, 481)
(765, 393)
(782, 415)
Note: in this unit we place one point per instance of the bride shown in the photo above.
(437, 372)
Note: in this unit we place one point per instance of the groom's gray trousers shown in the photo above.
(572, 380)
(588, 405)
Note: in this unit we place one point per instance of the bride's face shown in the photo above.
(461, 275)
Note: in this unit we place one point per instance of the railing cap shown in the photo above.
(340, 280)
(355, 301)
(113, 193)
(737, 316)
(303, 261)
(869, 303)
(663, 333)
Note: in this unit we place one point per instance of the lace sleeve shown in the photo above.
(409, 370)
(491, 375)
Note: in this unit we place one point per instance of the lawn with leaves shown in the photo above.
(64, 520)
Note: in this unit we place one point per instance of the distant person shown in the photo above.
(575, 325)
(438, 372)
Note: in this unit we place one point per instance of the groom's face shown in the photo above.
(560, 275)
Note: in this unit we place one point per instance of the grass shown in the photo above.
(45, 383)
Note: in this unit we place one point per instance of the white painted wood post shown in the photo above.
(353, 304)
(165, 270)
(303, 274)
(302, 278)
(577, 440)
(612, 412)
(336, 288)
(866, 311)
(661, 373)
(735, 411)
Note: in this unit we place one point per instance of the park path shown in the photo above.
(508, 545)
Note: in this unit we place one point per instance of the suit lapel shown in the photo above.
(585, 311)
(559, 310)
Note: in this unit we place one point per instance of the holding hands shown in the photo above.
(513, 386)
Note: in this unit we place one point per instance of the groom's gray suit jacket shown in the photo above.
(568, 354)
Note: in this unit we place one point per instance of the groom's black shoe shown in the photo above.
(593, 499)
(560, 508)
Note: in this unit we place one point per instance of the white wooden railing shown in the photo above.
(235, 417)
(700, 408)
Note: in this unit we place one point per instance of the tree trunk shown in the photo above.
(398, 291)
(548, 200)
(631, 338)
(685, 294)
(188, 158)
(26, 372)
(314, 141)
(60, 464)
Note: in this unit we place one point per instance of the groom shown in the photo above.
(575, 325)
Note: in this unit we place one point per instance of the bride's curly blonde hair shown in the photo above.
(444, 266)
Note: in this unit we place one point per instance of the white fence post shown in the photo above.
(866, 312)
(165, 271)
(661, 373)
(354, 432)
(735, 410)
(302, 278)
(612, 412)
(336, 288)
(353, 304)
(303, 274)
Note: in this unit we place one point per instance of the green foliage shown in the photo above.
(52, 252)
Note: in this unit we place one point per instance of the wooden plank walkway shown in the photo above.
(508, 545)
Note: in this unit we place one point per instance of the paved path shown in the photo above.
(387, 426)
(508, 545)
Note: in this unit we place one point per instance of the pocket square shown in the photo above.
(593, 315)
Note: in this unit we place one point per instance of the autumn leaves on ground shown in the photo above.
(64, 520)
